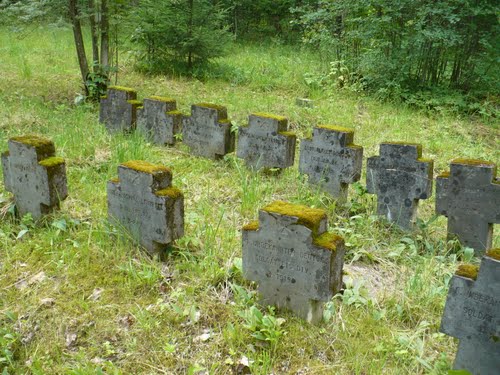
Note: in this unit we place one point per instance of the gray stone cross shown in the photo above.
(472, 314)
(118, 109)
(399, 177)
(266, 142)
(207, 131)
(159, 120)
(143, 201)
(331, 160)
(469, 195)
(296, 262)
(35, 176)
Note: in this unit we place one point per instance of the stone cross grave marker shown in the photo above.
(35, 176)
(472, 314)
(331, 159)
(399, 177)
(207, 131)
(469, 195)
(296, 262)
(159, 120)
(266, 142)
(118, 109)
(143, 201)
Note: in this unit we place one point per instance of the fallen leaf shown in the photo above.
(48, 302)
(96, 294)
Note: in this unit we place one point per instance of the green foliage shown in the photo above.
(188, 32)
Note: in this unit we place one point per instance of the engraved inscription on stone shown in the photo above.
(331, 160)
(118, 109)
(469, 195)
(472, 314)
(296, 262)
(400, 177)
(266, 142)
(207, 131)
(143, 202)
(34, 175)
(159, 120)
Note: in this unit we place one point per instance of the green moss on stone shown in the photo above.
(221, 110)
(474, 162)
(224, 121)
(122, 88)
(162, 99)
(51, 162)
(253, 225)
(115, 180)
(288, 134)
(328, 241)
(42, 145)
(468, 270)
(171, 192)
(135, 103)
(146, 167)
(494, 253)
(309, 217)
(280, 119)
(175, 113)
(444, 175)
(336, 128)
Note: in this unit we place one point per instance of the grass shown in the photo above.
(113, 310)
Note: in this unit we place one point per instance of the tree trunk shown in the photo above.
(104, 34)
(80, 47)
(94, 35)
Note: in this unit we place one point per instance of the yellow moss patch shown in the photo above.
(146, 167)
(309, 217)
(135, 103)
(494, 253)
(224, 121)
(51, 162)
(444, 175)
(162, 99)
(253, 225)
(171, 192)
(328, 241)
(353, 146)
(475, 162)
(122, 88)
(175, 113)
(468, 270)
(280, 119)
(42, 145)
(104, 97)
(288, 134)
(336, 128)
(115, 180)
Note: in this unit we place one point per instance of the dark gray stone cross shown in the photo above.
(296, 262)
(331, 159)
(469, 195)
(118, 109)
(472, 314)
(207, 131)
(266, 142)
(143, 201)
(159, 120)
(35, 176)
(399, 177)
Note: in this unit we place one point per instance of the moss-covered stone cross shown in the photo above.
(158, 120)
(118, 109)
(35, 176)
(143, 202)
(296, 262)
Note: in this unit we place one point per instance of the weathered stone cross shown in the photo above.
(118, 109)
(35, 176)
(469, 195)
(472, 314)
(143, 201)
(331, 159)
(159, 120)
(296, 262)
(266, 142)
(399, 177)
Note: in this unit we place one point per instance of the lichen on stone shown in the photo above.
(309, 217)
(444, 175)
(171, 192)
(328, 241)
(122, 88)
(146, 167)
(280, 119)
(175, 113)
(469, 271)
(494, 253)
(336, 128)
(474, 162)
(288, 134)
(42, 145)
(115, 180)
(252, 226)
(134, 102)
(221, 110)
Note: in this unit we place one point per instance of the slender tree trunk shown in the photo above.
(80, 47)
(104, 34)
(94, 35)
(190, 54)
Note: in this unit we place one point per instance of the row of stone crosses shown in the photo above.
(288, 250)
